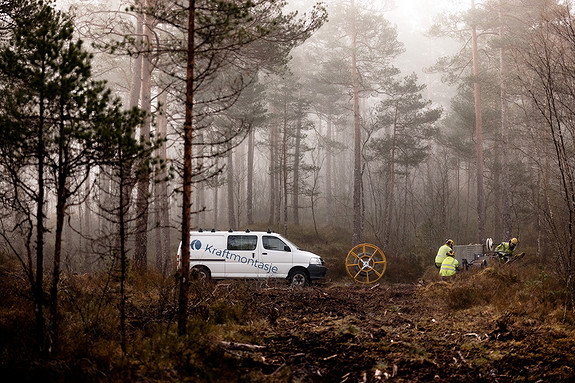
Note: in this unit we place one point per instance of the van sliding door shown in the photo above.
(242, 256)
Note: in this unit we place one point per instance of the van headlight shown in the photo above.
(315, 261)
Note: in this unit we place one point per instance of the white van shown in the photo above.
(251, 254)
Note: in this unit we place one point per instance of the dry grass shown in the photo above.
(522, 289)
(231, 311)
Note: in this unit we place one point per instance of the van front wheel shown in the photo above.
(298, 278)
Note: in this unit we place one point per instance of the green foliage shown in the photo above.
(408, 124)
(52, 108)
(331, 54)
(56, 125)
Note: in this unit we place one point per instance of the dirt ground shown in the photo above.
(370, 333)
(334, 331)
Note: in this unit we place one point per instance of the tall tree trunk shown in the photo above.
(216, 206)
(315, 186)
(468, 204)
(498, 186)
(458, 198)
(239, 184)
(135, 94)
(87, 218)
(357, 215)
(102, 194)
(40, 229)
(143, 183)
(279, 192)
(478, 135)
(250, 178)
(506, 193)
(230, 187)
(296, 186)
(272, 170)
(329, 167)
(199, 204)
(122, 213)
(390, 184)
(162, 211)
(136, 81)
(546, 248)
(284, 166)
(61, 198)
(404, 231)
(187, 177)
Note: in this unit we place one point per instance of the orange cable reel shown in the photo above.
(365, 263)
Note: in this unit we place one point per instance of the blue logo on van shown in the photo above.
(195, 244)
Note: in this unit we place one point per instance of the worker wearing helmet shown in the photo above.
(449, 266)
(505, 249)
(448, 245)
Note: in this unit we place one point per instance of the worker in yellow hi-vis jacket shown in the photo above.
(448, 245)
(449, 266)
(505, 250)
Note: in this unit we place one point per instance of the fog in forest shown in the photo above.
(401, 124)
(393, 126)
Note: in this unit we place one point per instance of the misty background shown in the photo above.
(124, 125)
(398, 123)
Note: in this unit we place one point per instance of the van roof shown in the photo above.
(200, 230)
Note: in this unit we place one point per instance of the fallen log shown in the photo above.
(241, 346)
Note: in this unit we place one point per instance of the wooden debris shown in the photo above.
(241, 346)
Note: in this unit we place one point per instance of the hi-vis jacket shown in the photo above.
(448, 267)
(505, 248)
(441, 253)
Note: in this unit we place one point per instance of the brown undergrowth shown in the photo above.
(500, 324)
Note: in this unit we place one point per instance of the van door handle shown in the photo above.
(264, 253)
(253, 255)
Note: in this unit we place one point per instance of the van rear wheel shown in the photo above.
(200, 273)
(298, 278)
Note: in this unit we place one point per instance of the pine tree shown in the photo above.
(55, 124)
(408, 124)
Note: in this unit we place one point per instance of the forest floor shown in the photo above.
(495, 325)
(400, 333)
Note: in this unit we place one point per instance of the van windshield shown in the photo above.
(289, 243)
(274, 243)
